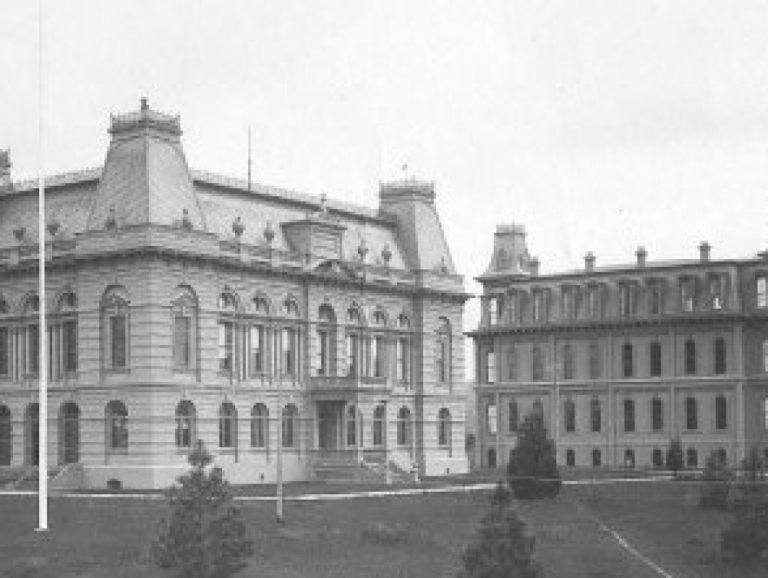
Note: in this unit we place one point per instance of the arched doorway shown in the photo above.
(32, 435)
(69, 433)
(5, 436)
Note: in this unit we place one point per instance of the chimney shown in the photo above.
(641, 255)
(534, 266)
(704, 248)
(144, 104)
(589, 262)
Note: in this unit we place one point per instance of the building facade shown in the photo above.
(187, 306)
(623, 359)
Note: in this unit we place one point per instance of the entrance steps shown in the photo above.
(367, 467)
(26, 477)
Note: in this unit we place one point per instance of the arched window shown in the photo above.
(568, 362)
(443, 347)
(570, 458)
(378, 361)
(115, 329)
(227, 425)
(184, 329)
(537, 363)
(290, 419)
(403, 426)
(690, 356)
(326, 336)
(259, 425)
(720, 356)
(186, 418)
(444, 427)
(6, 447)
(228, 310)
(595, 415)
(63, 337)
(512, 363)
(379, 416)
(655, 361)
(351, 426)
(117, 426)
(597, 458)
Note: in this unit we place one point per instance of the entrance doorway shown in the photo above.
(329, 425)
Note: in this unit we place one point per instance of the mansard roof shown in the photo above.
(145, 180)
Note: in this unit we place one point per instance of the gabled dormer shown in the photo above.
(318, 236)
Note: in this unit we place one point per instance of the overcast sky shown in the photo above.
(599, 125)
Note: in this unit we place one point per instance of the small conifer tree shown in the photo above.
(674, 459)
(502, 550)
(532, 469)
(206, 535)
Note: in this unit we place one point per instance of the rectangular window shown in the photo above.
(626, 300)
(765, 356)
(539, 306)
(593, 301)
(490, 367)
(721, 412)
(181, 342)
(118, 330)
(569, 303)
(629, 415)
(655, 355)
(69, 346)
(716, 293)
(594, 360)
(226, 346)
(493, 310)
(569, 411)
(720, 361)
(402, 359)
(765, 413)
(5, 368)
(691, 413)
(33, 349)
(655, 303)
(352, 355)
(657, 415)
(379, 357)
(627, 364)
(513, 314)
(687, 294)
(537, 364)
(490, 418)
(595, 415)
(762, 291)
(512, 364)
(690, 357)
(568, 362)
(288, 351)
(514, 417)
(257, 353)
(323, 362)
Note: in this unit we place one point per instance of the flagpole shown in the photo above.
(42, 368)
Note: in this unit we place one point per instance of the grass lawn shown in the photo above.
(418, 536)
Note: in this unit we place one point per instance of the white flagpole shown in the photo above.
(42, 368)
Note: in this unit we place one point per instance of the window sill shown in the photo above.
(117, 451)
(117, 370)
(184, 370)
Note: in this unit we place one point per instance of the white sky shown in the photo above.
(600, 125)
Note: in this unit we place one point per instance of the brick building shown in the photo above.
(185, 305)
(623, 359)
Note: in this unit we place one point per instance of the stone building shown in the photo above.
(623, 359)
(189, 306)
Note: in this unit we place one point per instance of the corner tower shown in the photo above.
(145, 177)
